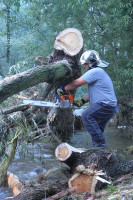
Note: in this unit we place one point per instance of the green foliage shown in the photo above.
(112, 188)
(106, 26)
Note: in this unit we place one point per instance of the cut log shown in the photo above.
(59, 65)
(65, 151)
(108, 163)
(68, 45)
(14, 184)
(70, 41)
(38, 192)
(69, 155)
(85, 179)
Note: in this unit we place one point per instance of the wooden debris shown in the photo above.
(61, 194)
(85, 179)
(20, 107)
(123, 178)
(14, 184)
(64, 151)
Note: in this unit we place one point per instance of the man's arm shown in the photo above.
(75, 84)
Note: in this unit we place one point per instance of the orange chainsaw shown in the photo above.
(61, 101)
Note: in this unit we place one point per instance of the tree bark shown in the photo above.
(60, 123)
(7, 160)
(51, 74)
(20, 107)
(37, 193)
(106, 160)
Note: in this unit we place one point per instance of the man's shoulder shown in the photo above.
(96, 70)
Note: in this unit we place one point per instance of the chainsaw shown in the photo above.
(61, 101)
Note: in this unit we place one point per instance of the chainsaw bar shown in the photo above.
(58, 104)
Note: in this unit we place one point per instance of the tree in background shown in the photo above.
(106, 26)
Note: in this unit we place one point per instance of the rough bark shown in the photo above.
(106, 160)
(52, 74)
(37, 193)
(21, 107)
(60, 123)
(7, 160)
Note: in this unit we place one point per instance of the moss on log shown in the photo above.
(50, 74)
(6, 161)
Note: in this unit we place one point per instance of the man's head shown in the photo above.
(92, 59)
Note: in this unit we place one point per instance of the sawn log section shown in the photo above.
(92, 169)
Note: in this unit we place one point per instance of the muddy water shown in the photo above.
(40, 156)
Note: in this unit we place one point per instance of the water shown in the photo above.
(39, 159)
(116, 139)
(40, 156)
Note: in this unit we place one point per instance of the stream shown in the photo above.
(40, 157)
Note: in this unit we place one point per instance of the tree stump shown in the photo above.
(60, 123)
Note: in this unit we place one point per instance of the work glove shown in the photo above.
(79, 102)
(61, 91)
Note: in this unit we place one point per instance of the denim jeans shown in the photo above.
(95, 119)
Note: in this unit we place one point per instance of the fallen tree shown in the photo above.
(63, 62)
(53, 74)
(90, 171)
(86, 166)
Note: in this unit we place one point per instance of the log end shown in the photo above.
(63, 152)
(70, 41)
(83, 183)
(14, 184)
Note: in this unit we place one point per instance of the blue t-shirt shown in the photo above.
(100, 87)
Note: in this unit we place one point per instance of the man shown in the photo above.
(101, 96)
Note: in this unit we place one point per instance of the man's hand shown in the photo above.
(79, 102)
(61, 91)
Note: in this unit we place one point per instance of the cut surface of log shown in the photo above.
(70, 41)
(85, 179)
(82, 182)
(64, 151)
(14, 184)
(107, 162)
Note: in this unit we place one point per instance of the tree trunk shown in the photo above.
(50, 74)
(62, 63)
(7, 160)
(60, 123)
(40, 192)
(110, 162)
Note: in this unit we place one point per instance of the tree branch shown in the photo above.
(50, 74)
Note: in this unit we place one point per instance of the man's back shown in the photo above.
(100, 87)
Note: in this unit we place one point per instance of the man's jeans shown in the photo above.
(95, 119)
